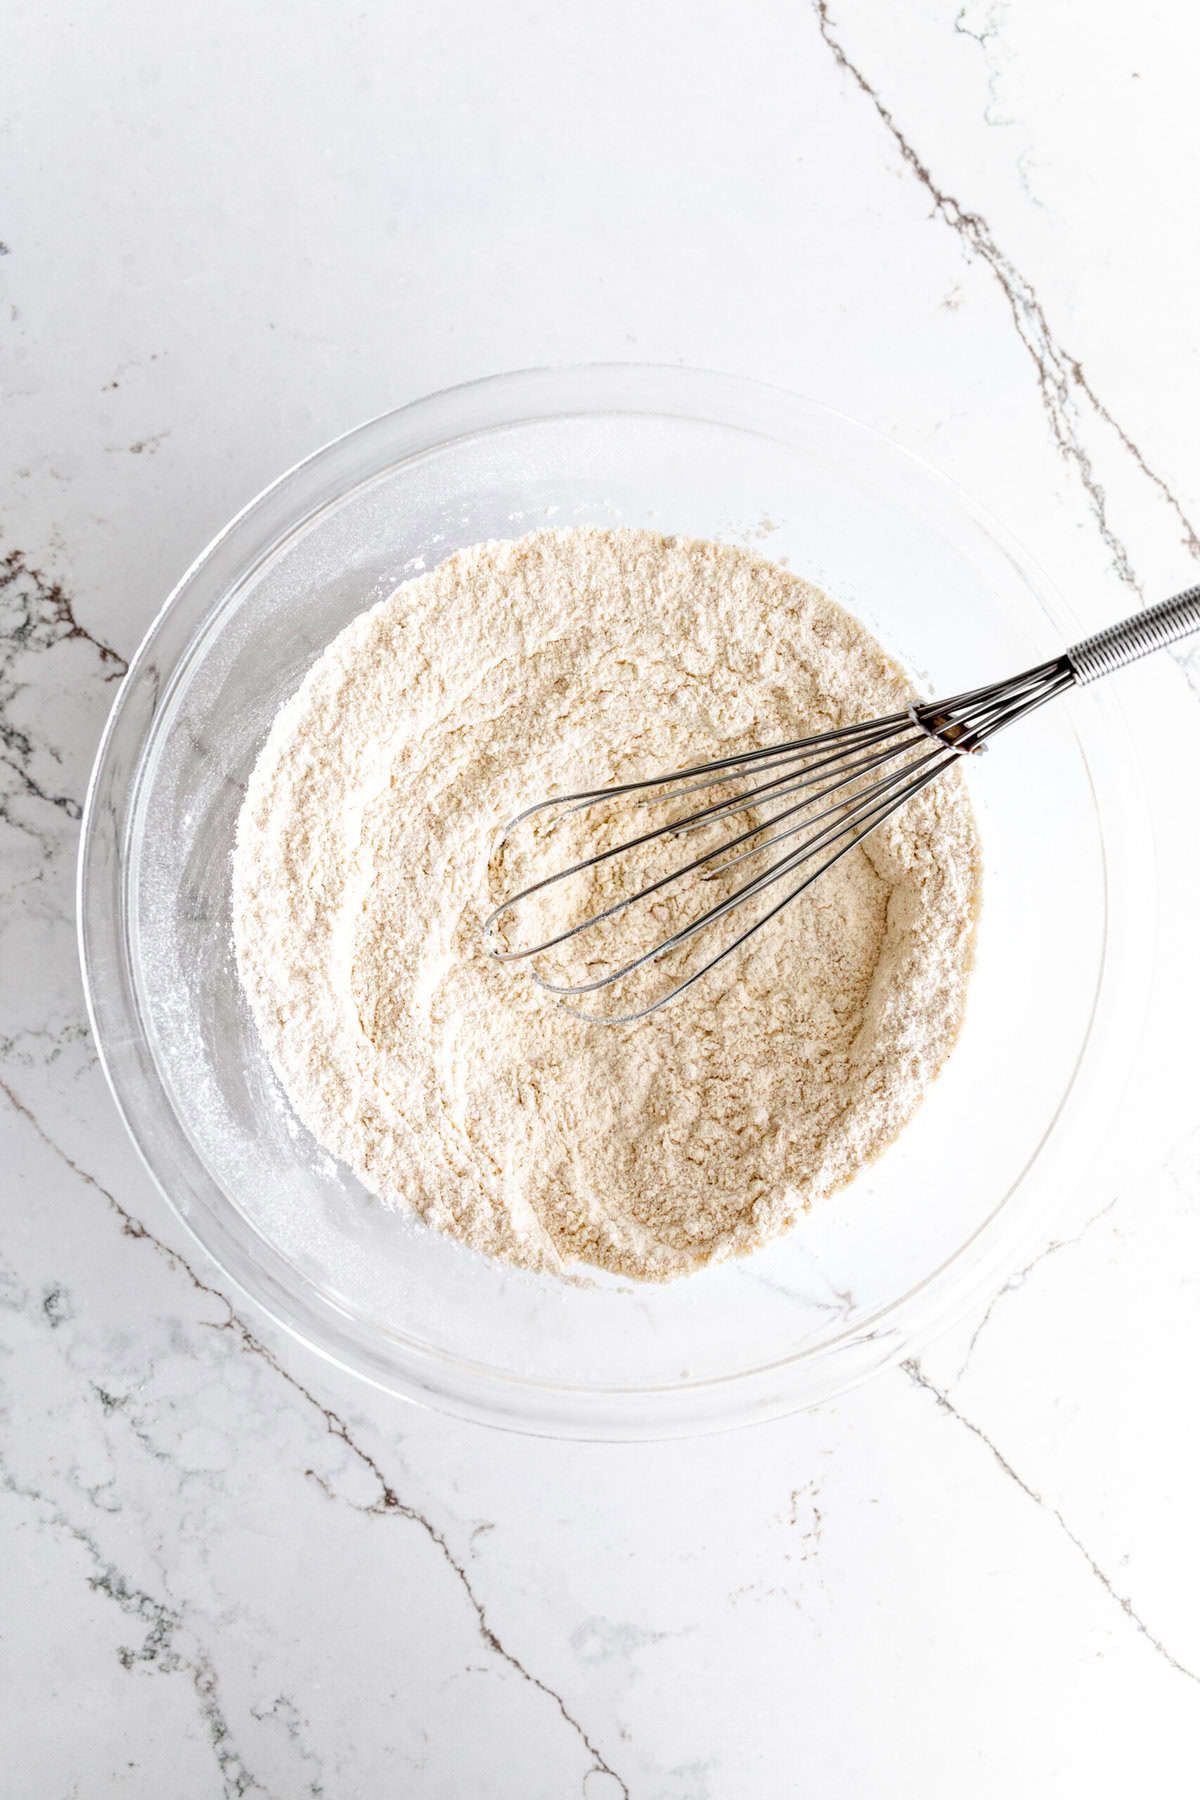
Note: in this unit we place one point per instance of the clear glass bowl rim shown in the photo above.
(437, 1378)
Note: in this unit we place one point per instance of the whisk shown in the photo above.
(803, 805)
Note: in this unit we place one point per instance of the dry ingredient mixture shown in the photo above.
(368, 855)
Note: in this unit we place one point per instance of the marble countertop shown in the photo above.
(232, 232)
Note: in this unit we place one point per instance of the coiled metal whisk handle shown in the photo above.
(1150, 630)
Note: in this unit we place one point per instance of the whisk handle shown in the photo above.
(1146, 631)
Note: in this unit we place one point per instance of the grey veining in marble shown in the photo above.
(232, 1570)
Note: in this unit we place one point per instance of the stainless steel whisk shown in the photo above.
(836, 788)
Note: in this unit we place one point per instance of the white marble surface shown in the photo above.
(233, 231)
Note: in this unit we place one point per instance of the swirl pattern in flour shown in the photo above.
(368, 855)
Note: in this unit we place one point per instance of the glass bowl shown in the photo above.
(938, 1219)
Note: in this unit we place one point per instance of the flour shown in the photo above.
(369, 853)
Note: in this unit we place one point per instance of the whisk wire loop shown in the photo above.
(840, 786)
